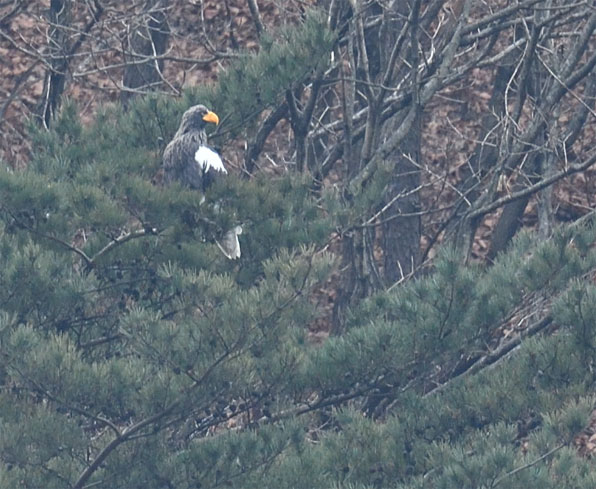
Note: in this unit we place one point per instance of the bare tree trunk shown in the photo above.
(401, 226)
(147, 42)
(58, 49)
(64, 40)
(401, 220)
(541, 163)
(460, 230)
(373, 69)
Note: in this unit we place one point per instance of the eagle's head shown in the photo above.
(197, 117)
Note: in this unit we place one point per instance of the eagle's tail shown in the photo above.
(230, 245)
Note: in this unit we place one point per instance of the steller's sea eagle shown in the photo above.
(188, 160)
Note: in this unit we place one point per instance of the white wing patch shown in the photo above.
(208, 159)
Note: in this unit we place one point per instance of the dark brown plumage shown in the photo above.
(179, 159)
(188, 160)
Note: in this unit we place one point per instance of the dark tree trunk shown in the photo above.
(461, 230)
(510, 220)
(58, 55)
(147, 41)
(401, 222)
(398, 210)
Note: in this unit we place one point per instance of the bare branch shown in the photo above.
(532, 189)
(256, 17)
(256, 146)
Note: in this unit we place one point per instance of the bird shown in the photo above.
(189, 161)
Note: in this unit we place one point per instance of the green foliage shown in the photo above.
(132, 351)
(123, 323)
(123, 326)
(255, 82)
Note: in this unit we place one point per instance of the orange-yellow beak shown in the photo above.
(211, 117)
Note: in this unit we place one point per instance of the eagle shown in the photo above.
(189, 161)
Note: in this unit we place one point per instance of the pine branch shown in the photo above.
(135, 430)
(83, 412)
(120, 240)
(531, 464)
(128, 433)
(496, 355)
(88, 261)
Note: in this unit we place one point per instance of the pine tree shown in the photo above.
(133, 355)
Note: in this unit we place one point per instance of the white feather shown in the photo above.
(230, 245)
(208, 159)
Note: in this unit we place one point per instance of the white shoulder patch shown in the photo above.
(208, 159)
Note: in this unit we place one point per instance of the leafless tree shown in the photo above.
(396, 61)
(147, 43)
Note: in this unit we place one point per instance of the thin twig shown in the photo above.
(532, 189)
(531, 464)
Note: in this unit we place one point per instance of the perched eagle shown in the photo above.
(188, 160)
